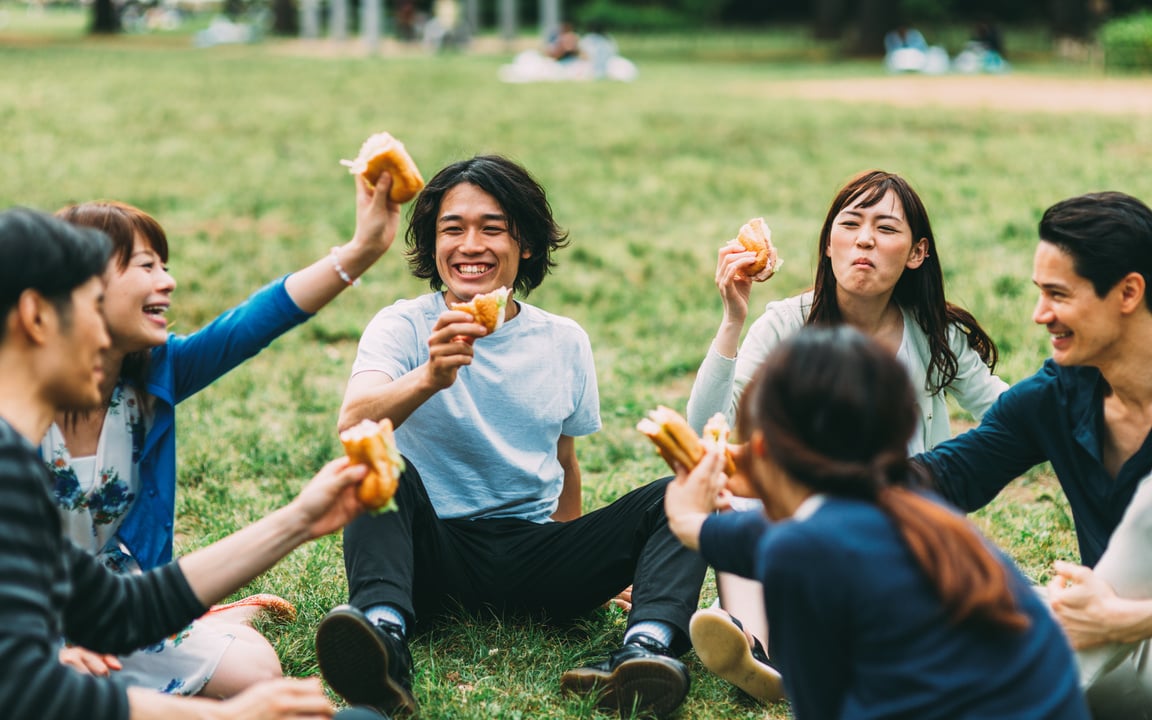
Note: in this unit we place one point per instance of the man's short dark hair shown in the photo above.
(521, 198)
(43, 253)
(1107, 234)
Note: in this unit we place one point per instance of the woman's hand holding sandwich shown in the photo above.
(695, 494)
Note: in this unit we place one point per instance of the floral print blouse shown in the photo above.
(94, 496)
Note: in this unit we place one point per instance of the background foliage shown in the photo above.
(1127, 42)
(235, 151)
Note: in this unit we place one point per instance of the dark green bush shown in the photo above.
(1127, 42)
(650, 15)
(616, 16)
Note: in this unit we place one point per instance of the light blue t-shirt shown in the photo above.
(486, 446)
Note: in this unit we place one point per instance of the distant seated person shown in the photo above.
(595, 57)
(904, 38)
(984, 52)
(599, 49)
(906, 50)
(445, 30)
(564, 44)
(987, 34)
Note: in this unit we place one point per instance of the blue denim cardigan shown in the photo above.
(180, 368)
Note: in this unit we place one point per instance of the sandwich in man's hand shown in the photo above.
(487, 309)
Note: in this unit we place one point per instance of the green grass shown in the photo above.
(235, 151)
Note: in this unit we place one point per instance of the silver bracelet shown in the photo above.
(352, 282)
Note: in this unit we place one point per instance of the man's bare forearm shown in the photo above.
(375, 396)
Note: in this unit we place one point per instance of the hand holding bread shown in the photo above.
(383, 153)
(373, 444)
(697, 490)
(487, 309)
(756, 237)
(678, 443)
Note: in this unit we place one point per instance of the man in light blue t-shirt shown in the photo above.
(489, 505)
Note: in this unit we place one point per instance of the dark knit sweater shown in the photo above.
(51, 589)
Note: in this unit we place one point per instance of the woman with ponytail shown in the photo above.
(882, 601)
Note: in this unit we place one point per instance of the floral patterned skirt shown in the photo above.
(180, 664)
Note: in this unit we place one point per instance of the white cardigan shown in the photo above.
(721, 380)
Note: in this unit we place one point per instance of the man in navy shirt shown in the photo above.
(1088, 411)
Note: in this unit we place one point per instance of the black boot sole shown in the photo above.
(355, 662)
(657, 685)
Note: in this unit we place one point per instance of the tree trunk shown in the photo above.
(828, 19)
(285, 18)
(338, 20)
(508, 20)
(371, 17)
(310, 19)
(874, 19)
(472, 15)
(105, 19)
(1070, 19)
(549, 18)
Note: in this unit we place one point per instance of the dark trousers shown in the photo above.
(425, 565)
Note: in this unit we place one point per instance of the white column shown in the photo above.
(472, 15)
(371, 13)
(338, 20)
(508, 27)
(549, 17)
(310, 19)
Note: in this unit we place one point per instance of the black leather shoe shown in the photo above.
(364, 663)
(643, 676)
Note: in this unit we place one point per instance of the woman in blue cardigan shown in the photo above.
(883, 602)
(115, 470)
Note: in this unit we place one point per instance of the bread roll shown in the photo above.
(678, 444)
(487, 309)
(755, 236)
(382, 152)
(675, 440)
(373, 444)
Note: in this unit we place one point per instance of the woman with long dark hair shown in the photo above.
(883, 601)
(879, 271)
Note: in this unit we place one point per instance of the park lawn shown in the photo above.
(235, 151)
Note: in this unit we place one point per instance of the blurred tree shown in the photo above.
(874, 18)
(829, 18)
(758, 11)
(105, 18)
(703, 10)
(285, 18)
(1071, 19)
(648, 14)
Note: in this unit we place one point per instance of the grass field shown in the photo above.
(235, 151)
